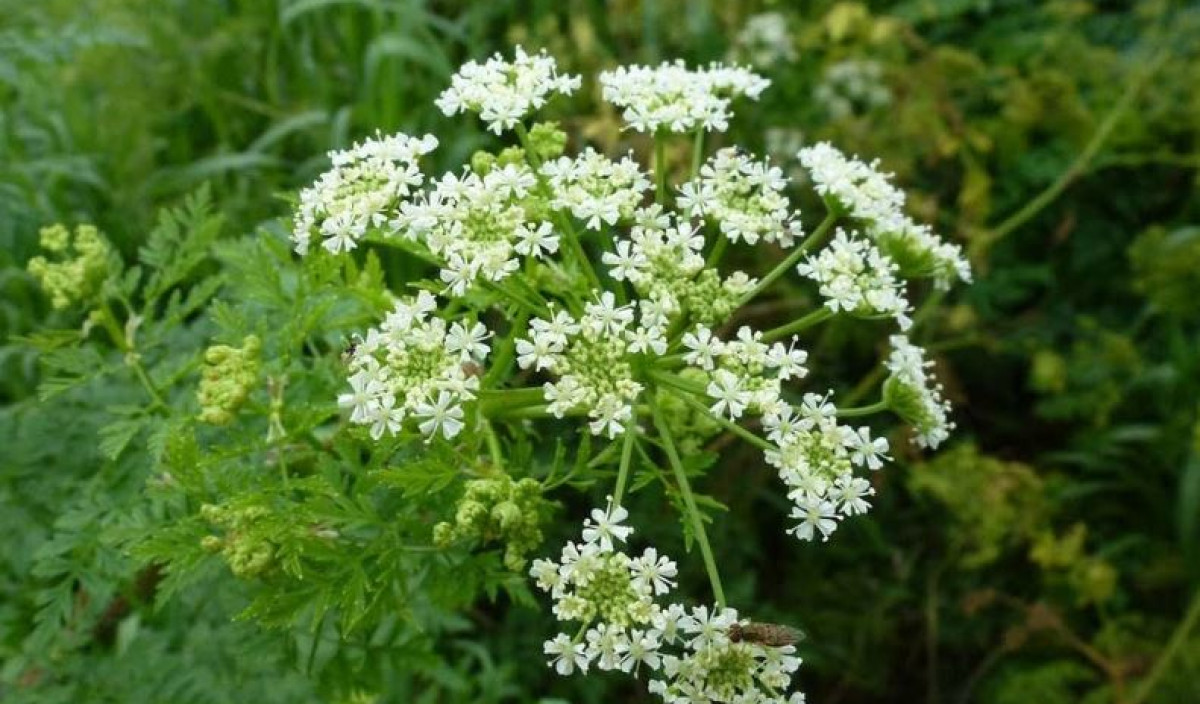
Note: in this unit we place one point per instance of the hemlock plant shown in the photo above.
(589, 288)
(574, 291)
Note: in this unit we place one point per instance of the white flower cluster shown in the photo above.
(738, 369)
(504, 92)
(915, 394)
(412, 364)
(744, 197)
(920, 252)
(662, 259)
(596, 189)
(765, 40)
(851, 86)
(816, 458)
(815, 455)
(591, 358)
(692, 656)
(869, 196)
(673, 98)
(855, 277)
(365, 185)
(477, 225)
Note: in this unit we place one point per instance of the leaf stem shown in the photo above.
(729, 425)
(802, 323)
(109, 320)
(813, 240)
(1078, 166)
(631, 430)
(685, 488)
(877, 407)
(697, 151)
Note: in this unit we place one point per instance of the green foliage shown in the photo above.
(280, 555)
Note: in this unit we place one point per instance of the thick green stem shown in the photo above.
(494, 402)
(798, 325)
(812, 241)
(631, 430)
(697, 152)
(685, 488)
(493, 444)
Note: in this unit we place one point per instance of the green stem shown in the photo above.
(718, 250)
(1182, 631)
(507, 351)
(631, 430)
(493, 443)
(564, 223)
(492, 400)
(797, 325)
(813, 240)
(109, 320)
(573, 243)
(722, 420)
(697, 152)
(877, 407)
(685, 488)
(660, 167)
(1078, 166)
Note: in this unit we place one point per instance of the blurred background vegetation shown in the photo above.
(1051, 554)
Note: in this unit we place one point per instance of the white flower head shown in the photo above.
(505, 92)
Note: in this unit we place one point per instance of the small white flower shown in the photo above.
(865, 450)
(444, 413)
(566, 656)
(467, 343)
(364, 397)
(703, 348)
(605, 526)
(850, 492)
(640, 648)
(654, 572)
(732, 398)
(536, 242)
(816, 516)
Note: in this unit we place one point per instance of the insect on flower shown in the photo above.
(770, 634)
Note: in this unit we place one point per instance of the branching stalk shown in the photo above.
(685, 488)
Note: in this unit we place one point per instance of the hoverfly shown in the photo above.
(770, 634)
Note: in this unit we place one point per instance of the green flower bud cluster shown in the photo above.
(248, 554)
(609, 596)
(728, 669)
(82, 264)
(692, 428)
(229, 375)
(709, 299)
(498, 509)
(546, 141)
(482, 163)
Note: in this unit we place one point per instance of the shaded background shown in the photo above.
(1050, 554)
